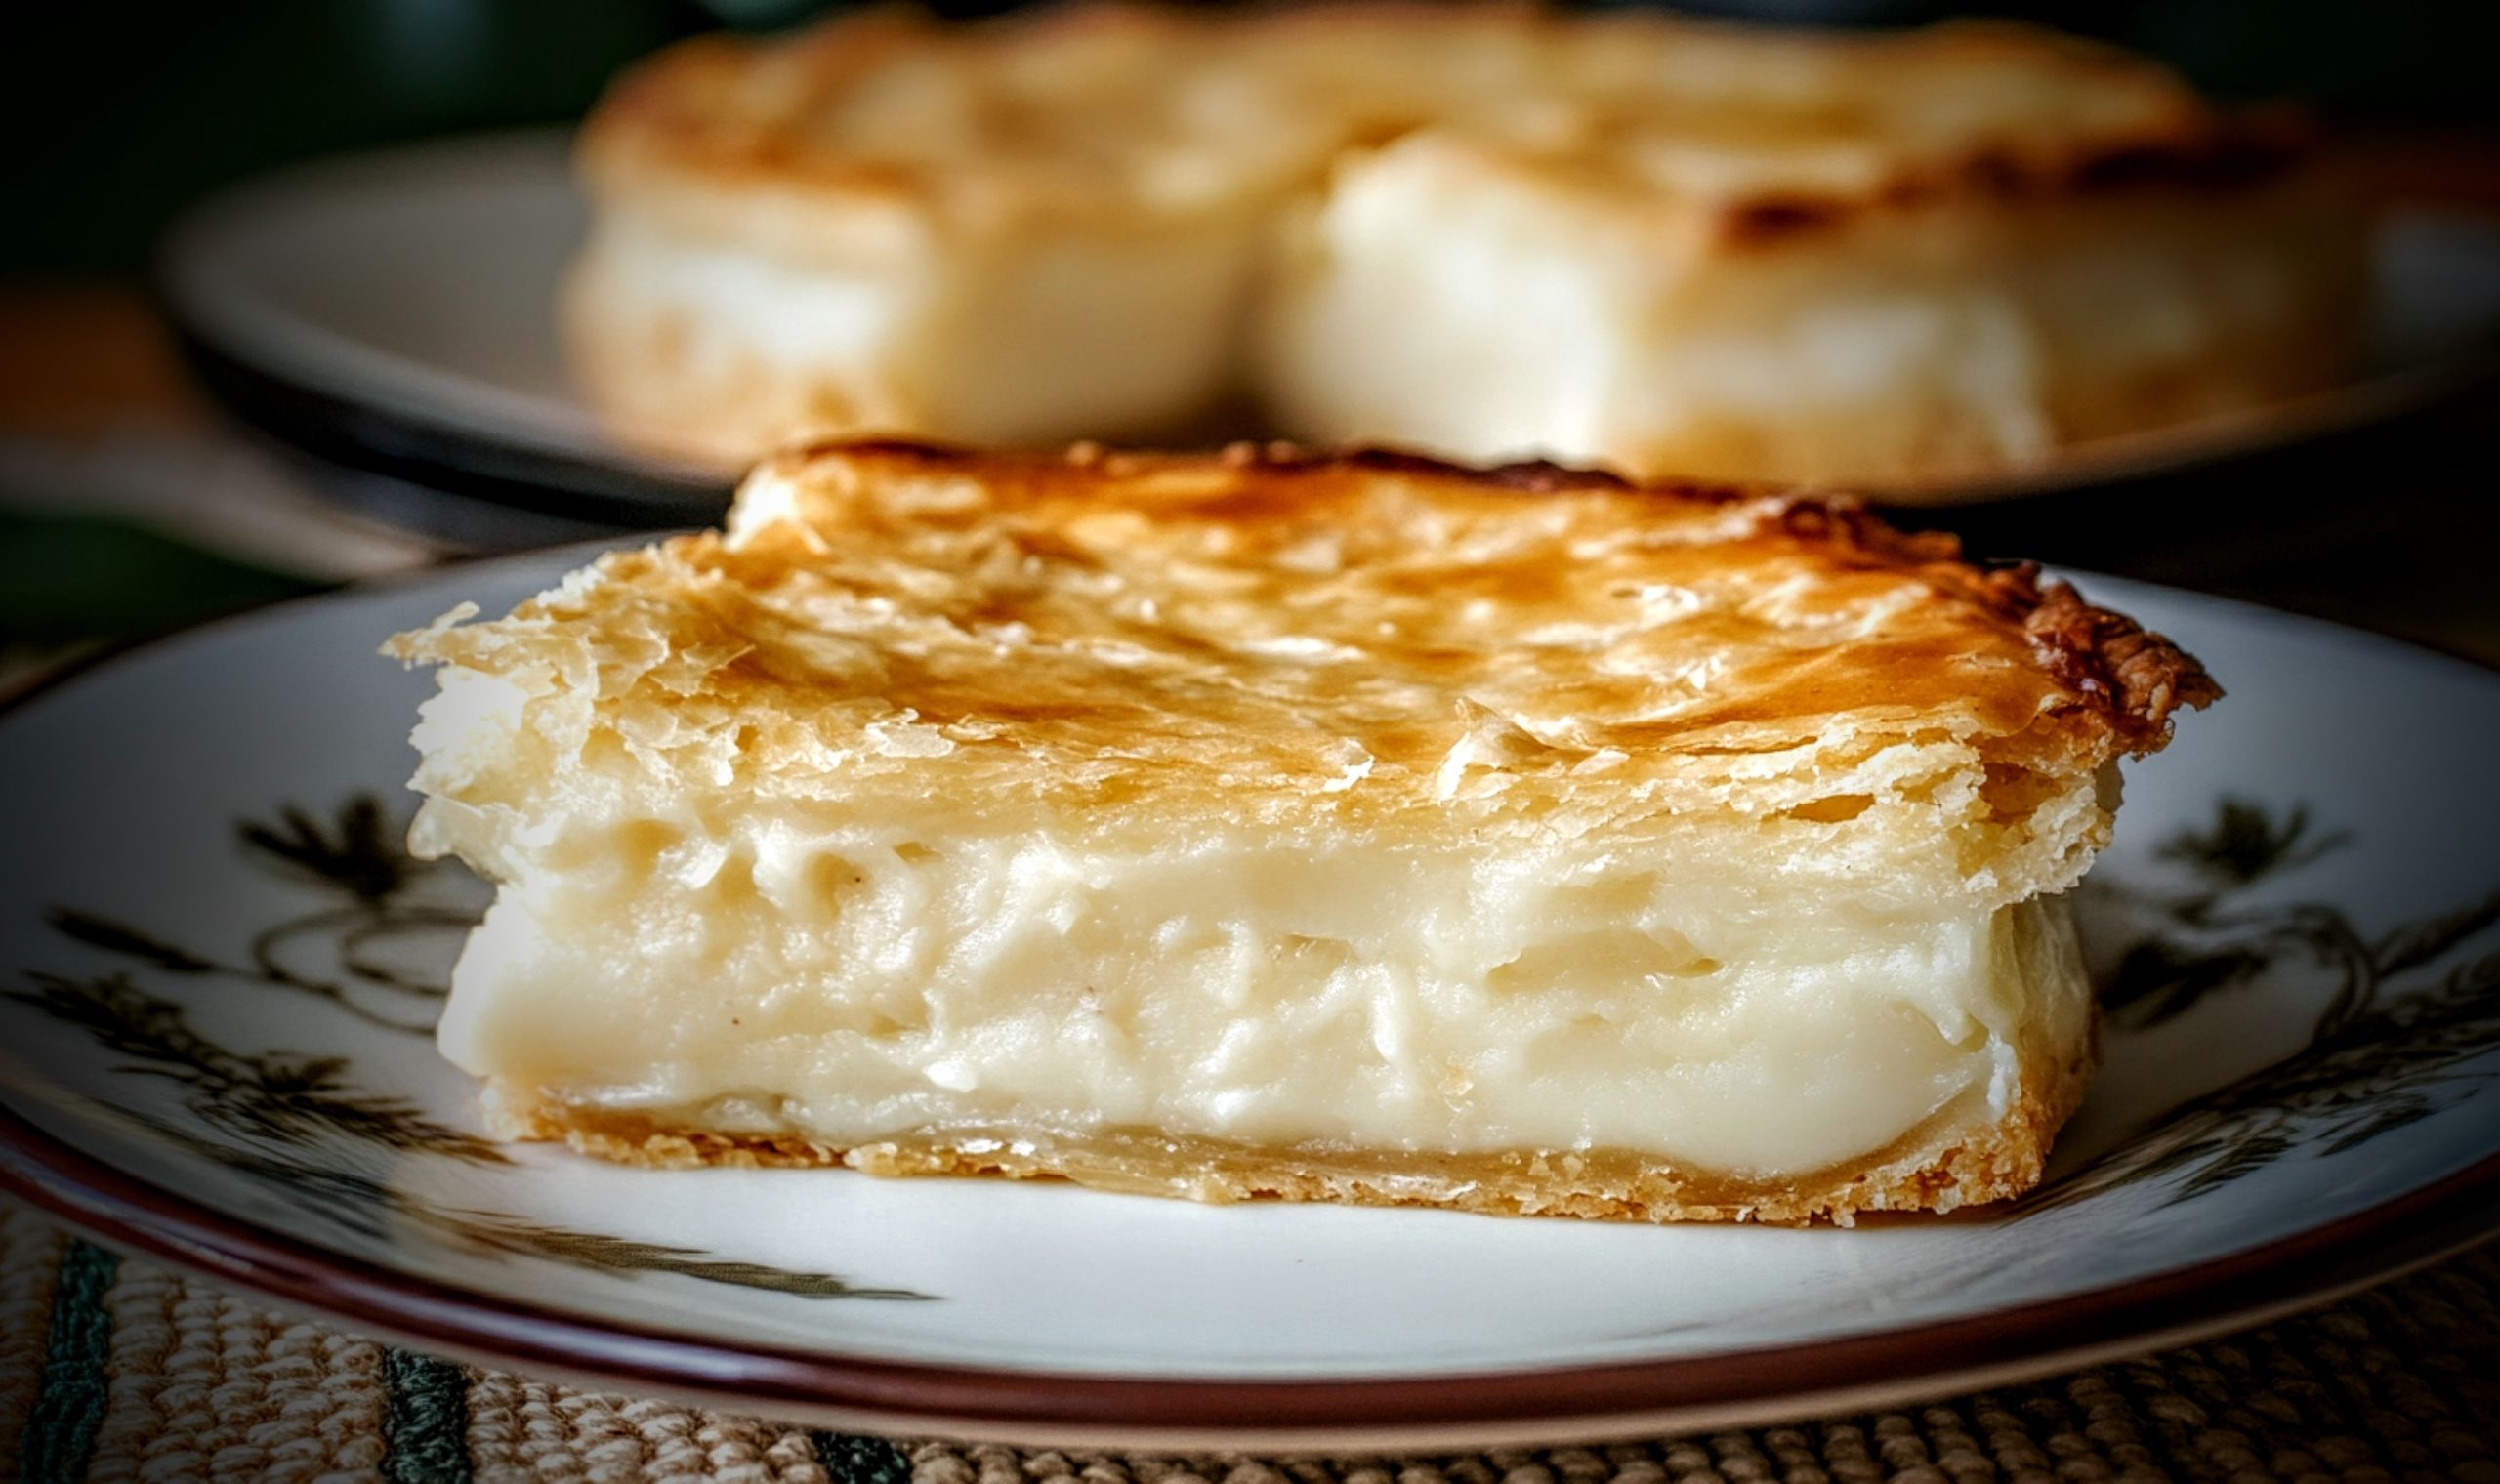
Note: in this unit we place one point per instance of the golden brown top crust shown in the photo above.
(1388, 631)
(1109, 109)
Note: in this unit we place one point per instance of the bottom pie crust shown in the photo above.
(1951, 1160)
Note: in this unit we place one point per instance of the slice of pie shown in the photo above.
(1667, 245)
(1358, 829)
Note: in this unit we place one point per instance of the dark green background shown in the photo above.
(115, 114)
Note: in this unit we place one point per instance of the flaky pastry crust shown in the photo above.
(1148, 624)
(2114, 685)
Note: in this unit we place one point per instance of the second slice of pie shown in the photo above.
(1355, 829)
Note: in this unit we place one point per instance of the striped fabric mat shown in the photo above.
(114, 1369)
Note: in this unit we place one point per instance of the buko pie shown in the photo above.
(1674, 247)
(1273, 825)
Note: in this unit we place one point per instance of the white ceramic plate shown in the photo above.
(220, 970)
(394, 311)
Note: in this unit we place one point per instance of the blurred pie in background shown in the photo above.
(1666, 245)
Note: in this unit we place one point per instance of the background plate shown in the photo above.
(219, 967)
(394, 314)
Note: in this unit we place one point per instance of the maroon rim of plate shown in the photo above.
(2435, 1221)
(2439, 1219)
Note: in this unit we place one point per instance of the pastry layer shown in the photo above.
(1357, 807)
(1672, 246)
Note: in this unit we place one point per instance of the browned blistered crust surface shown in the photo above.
(1953, 1160)
(1082, 107)
(1810, 622)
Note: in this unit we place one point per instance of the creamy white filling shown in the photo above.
(861, 984)
(1000, 340)
(1435, 304)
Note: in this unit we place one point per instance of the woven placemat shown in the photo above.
(114, 1369)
